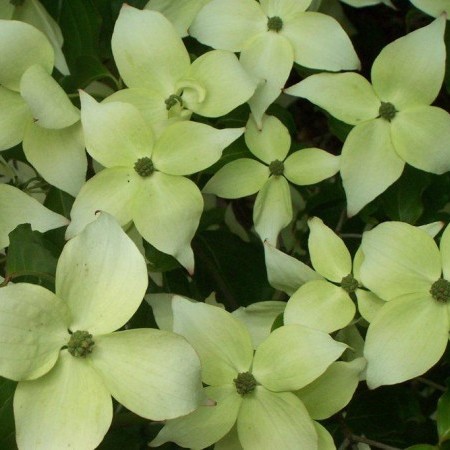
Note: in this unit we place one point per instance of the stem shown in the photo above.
(375, 444)
(432, 384)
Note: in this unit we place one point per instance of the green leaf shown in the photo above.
(159, 261)
(423, 447)
(59, 201)
(7, 435)
(443, 417)
(32, 256)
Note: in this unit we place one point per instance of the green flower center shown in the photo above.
(387, 111)
(80, 344)
(274, 24)
(276, 167)
(245, 383)
(440, 290)
(349, 283)
(172, 101)
(144, 167)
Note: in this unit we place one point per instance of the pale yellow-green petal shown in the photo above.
(222, 342)
(409, 71)
(228, 25)
(15, 115)
(310, 166)
(286, 9)
(421, 136)
(21, 46)
(433, 7)
(238, 178)
(111, 190)
(445, 252)
(269, 142)
(310, 353)
(405, 327)
(70, 407)
(58, 155)
(325, 439)
(320, 42)
(33, 328)
(333, 390)
(90, 277)
(268, 58)
(320, 305)
(328, 253)
(188, 147)
(285, 272)
(49, 104)
(392, 266)
(227, 85)
(154, 373)
(115, 133)
(141, 59)
(269, 420)
(273, 209)
(347, 96)
(16, 208)
(369, 163)
(230, 441)
(207, 424)
(368, 304)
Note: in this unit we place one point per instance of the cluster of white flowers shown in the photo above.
(217, 377)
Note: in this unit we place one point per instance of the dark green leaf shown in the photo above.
(159, 261)
(443, 417)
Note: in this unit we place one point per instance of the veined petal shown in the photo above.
(285, 272)
(222, 342)
(238, 179)
(310, 353)
(347, 96)
(273, 209)
(268, 58)
(166, 212)
(329, 254)
(228, 25)
(409, 71)
(69, 407)
(14, 117)
(181, 13)
(421, 136)
(33, 328)
(369, 163)
(226, 83)
(90, 277)
(58, 155)
(310, 166)
(285, 9)
(432, 7)
(115, 133)
(259, 318)
(368, 304)
(332, 391)
(21, 46)
(405, 327)
(16, 208)
(188, 147)
(445, 252)
(320, 305)
(154, 373)
(49, 104)
(269, 142)
(320, 42)
(141, 59)
(392, 266)
(275, 420)
(206, 425)
(112, 190)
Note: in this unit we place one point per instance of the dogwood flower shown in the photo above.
(32, 12)
(163, 84)
(36, 110)
(68, 360)
(273, 206)
(254, 390)
(362, 3)
(271, 36)
(181, 13)
(16, 208)
(393, 121)
(143, 179)
(404, 266)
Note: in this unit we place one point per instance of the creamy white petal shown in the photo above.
(433, 7)
(368, 304)
(445, 252)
